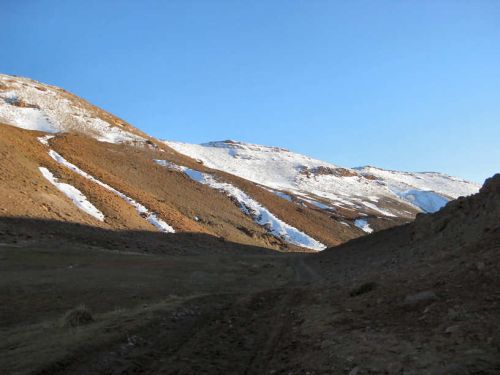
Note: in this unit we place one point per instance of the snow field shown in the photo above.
(283, 170)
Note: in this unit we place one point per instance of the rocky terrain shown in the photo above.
(120, 255)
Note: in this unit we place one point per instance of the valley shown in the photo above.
(121, 253)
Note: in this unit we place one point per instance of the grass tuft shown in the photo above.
(77, 317)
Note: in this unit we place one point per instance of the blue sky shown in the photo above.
(408, 85)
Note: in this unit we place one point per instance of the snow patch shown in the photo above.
(319, 205)
(169, 165)
(377, 209)
(45, 139)
(25, 118)
(74, 194)
(282, 195)
(363, 225)
(427, 201)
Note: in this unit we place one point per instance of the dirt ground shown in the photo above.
(422, 298)
(212, 307)
(45, 275)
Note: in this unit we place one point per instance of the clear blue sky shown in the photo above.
(408, 85)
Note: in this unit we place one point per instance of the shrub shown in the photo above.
(78, 317)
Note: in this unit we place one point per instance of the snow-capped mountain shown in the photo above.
(428, 191)
(66, 159)
(32, 105)
(369, 190)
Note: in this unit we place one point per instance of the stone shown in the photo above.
(421, 298)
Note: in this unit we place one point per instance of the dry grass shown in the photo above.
(77, 317)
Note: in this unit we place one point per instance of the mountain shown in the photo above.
(366, 192)
(67, 160)
(83, 164)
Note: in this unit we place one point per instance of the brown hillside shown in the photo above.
(184, 204)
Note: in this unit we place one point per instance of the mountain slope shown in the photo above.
(87, 166)
(32, 105)
(371, 191)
